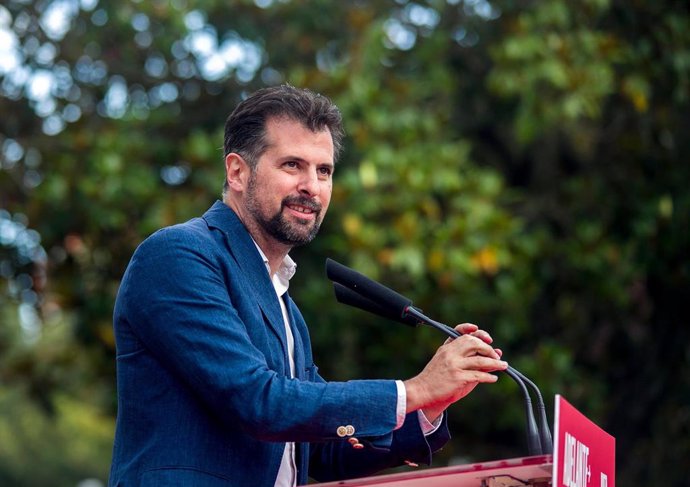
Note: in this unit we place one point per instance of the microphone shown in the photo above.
(395, 304)
(355, 289)
(351, 298)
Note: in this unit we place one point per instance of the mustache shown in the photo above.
(303, 201)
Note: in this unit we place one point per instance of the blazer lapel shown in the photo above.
(245, 253)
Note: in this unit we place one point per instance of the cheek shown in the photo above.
(269, 198)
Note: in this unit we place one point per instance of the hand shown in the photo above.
(454, 371)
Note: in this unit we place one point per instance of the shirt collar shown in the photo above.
(281, 279)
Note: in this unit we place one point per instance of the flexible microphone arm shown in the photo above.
(357, 290)
(544, 429)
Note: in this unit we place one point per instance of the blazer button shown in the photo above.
(355, 443)
(350, 430)
(341, 431)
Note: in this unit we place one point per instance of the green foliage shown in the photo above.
(68, 447)
(520, 165)
(557, 52)
(54, 426)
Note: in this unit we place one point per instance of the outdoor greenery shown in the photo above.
(522, 165)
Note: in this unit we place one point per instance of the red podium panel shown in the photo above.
(514, 472)
(584, 454)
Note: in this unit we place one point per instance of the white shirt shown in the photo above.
(287, 473)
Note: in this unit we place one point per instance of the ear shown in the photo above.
(236, 172)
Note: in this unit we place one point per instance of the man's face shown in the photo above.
(289, 190)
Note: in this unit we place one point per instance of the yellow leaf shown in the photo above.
(436, 260)
(352, 224)
(486, 260)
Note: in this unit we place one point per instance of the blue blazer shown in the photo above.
(204, 394)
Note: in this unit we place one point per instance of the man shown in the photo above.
(216, 380)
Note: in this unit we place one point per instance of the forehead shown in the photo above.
(286, 134)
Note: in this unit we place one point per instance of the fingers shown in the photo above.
(472, 329)
(466, 328)
(469, 345)
(482, 364)
(479, 377)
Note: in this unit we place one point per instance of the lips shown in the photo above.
(301, 209)
(302, 206)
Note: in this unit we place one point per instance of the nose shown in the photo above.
(309, 183)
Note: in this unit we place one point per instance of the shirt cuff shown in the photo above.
(427, 426)
(401, 406)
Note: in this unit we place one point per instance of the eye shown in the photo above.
(325, 171)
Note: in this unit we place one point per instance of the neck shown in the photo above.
(275, 252)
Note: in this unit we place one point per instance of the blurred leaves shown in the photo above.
(65, 449)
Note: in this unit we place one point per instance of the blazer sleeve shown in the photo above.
(175, 299)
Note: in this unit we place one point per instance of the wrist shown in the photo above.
(416, 396)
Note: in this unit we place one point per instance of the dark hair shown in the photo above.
(245, 128)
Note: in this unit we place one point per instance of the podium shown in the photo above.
(584, 456)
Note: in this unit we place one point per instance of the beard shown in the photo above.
(294, 233)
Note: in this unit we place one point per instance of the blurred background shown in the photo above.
(523, 165)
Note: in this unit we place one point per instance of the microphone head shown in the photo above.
(394, 303)
(347, 296)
